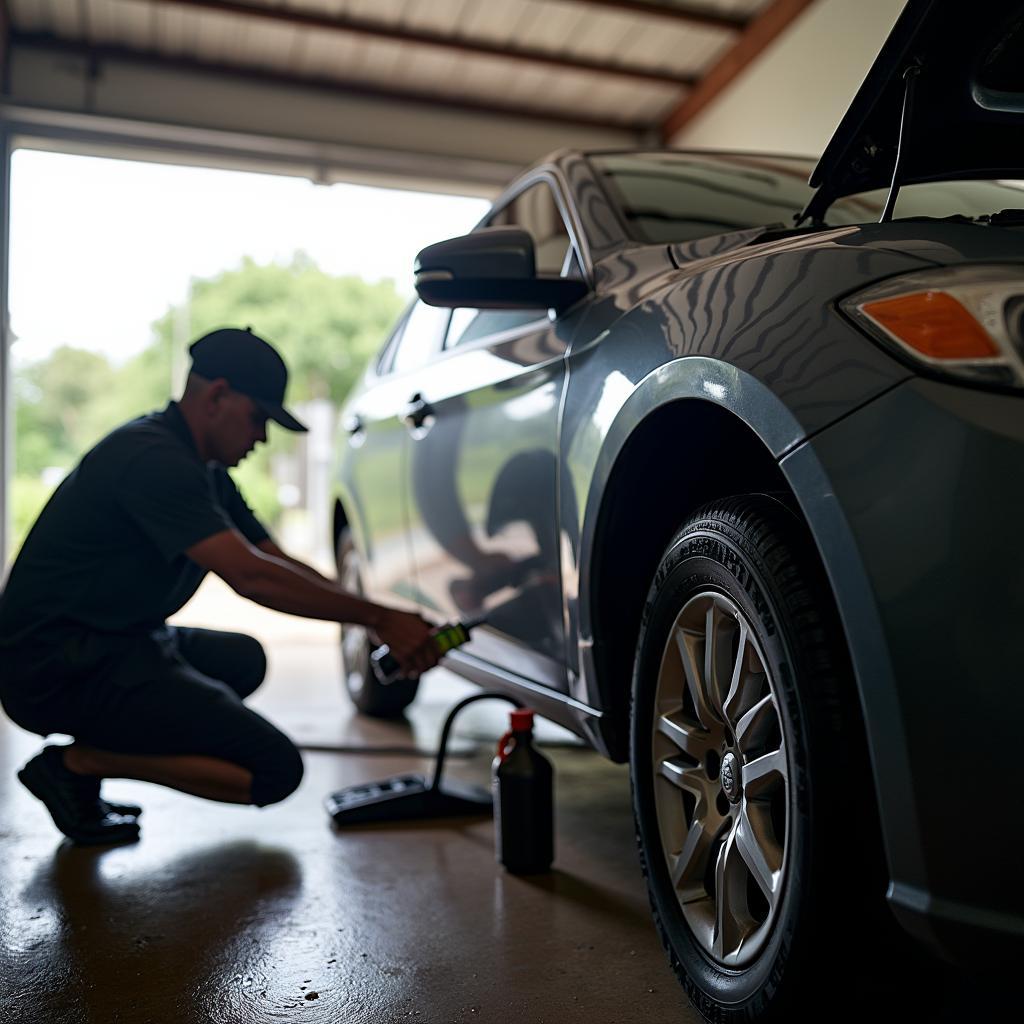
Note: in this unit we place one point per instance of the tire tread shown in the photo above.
(775, 541)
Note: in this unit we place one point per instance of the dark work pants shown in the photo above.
(172, 691)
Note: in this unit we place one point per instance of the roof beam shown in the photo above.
(349, 88)
(62, 131)
(772, 21)
(375, 30)
(680, 15)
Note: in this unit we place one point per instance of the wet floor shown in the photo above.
(240, 916)
(233, 915)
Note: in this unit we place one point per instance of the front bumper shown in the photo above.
(916, 503)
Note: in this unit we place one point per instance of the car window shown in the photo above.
(572, 267)
(472, 324)
(535, 210)
(420, 337)
(387, 353)
(670, 197)
(679, 197)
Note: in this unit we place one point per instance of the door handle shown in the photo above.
(356, 430)
(419, 414)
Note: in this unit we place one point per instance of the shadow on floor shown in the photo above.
(137, 945)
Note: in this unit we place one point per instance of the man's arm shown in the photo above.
(270, 578)
(268, 547)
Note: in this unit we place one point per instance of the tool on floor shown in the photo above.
(524, 819)
(446, 637)
(411, 797)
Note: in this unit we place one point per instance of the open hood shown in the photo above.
(964, 117)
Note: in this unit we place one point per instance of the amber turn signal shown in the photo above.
(934, 324)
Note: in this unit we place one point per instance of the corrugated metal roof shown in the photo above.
(617, 63)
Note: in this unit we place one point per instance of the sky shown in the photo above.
(101, 248)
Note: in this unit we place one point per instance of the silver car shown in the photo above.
(732, 466)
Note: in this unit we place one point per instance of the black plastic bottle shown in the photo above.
(522, 780)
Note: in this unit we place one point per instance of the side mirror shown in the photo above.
(493, 268)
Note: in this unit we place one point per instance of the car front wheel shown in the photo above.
(751, 788)
(367, 692)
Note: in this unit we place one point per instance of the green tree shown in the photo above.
(56, 407)
(326, 328)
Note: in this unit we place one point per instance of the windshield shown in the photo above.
(679, 197)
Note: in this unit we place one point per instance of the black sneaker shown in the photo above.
(73, 801)
(125, 810)
(107, 806)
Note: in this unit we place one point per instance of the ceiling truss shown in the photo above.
(666, 93)
(368, 29)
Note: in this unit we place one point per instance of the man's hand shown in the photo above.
(269, 577)
(409, 638)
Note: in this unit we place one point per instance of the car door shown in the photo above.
(483, 475)
(375, 470)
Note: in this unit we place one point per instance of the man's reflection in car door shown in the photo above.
(483, 471)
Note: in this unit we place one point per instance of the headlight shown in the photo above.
(963, 322)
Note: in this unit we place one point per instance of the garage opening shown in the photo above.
(116, 265)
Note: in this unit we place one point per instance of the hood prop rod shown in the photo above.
(910, 77)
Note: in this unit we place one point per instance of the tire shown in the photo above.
(753, 796)
(367, 693)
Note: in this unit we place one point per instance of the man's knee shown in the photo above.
(253, 663)
(235, 659)
(280, 777)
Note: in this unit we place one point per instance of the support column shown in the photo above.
(6, 394)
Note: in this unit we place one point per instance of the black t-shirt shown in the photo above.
(107, 552)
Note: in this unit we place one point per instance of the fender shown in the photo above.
(692, 378)
(751, 403)
(884, 721)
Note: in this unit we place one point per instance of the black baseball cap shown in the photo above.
(250, 365)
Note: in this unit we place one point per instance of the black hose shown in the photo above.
(443, 745)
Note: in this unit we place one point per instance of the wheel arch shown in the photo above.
(339, 521)
(347, 513)
(641, 508)
(755, 445)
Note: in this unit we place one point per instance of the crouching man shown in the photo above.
(122, 544)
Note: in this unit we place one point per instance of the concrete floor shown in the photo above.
(235, 915)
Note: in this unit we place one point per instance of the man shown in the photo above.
(122, 544)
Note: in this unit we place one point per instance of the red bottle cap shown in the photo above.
(522, 719)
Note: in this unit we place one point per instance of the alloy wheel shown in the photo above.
(721, 779)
